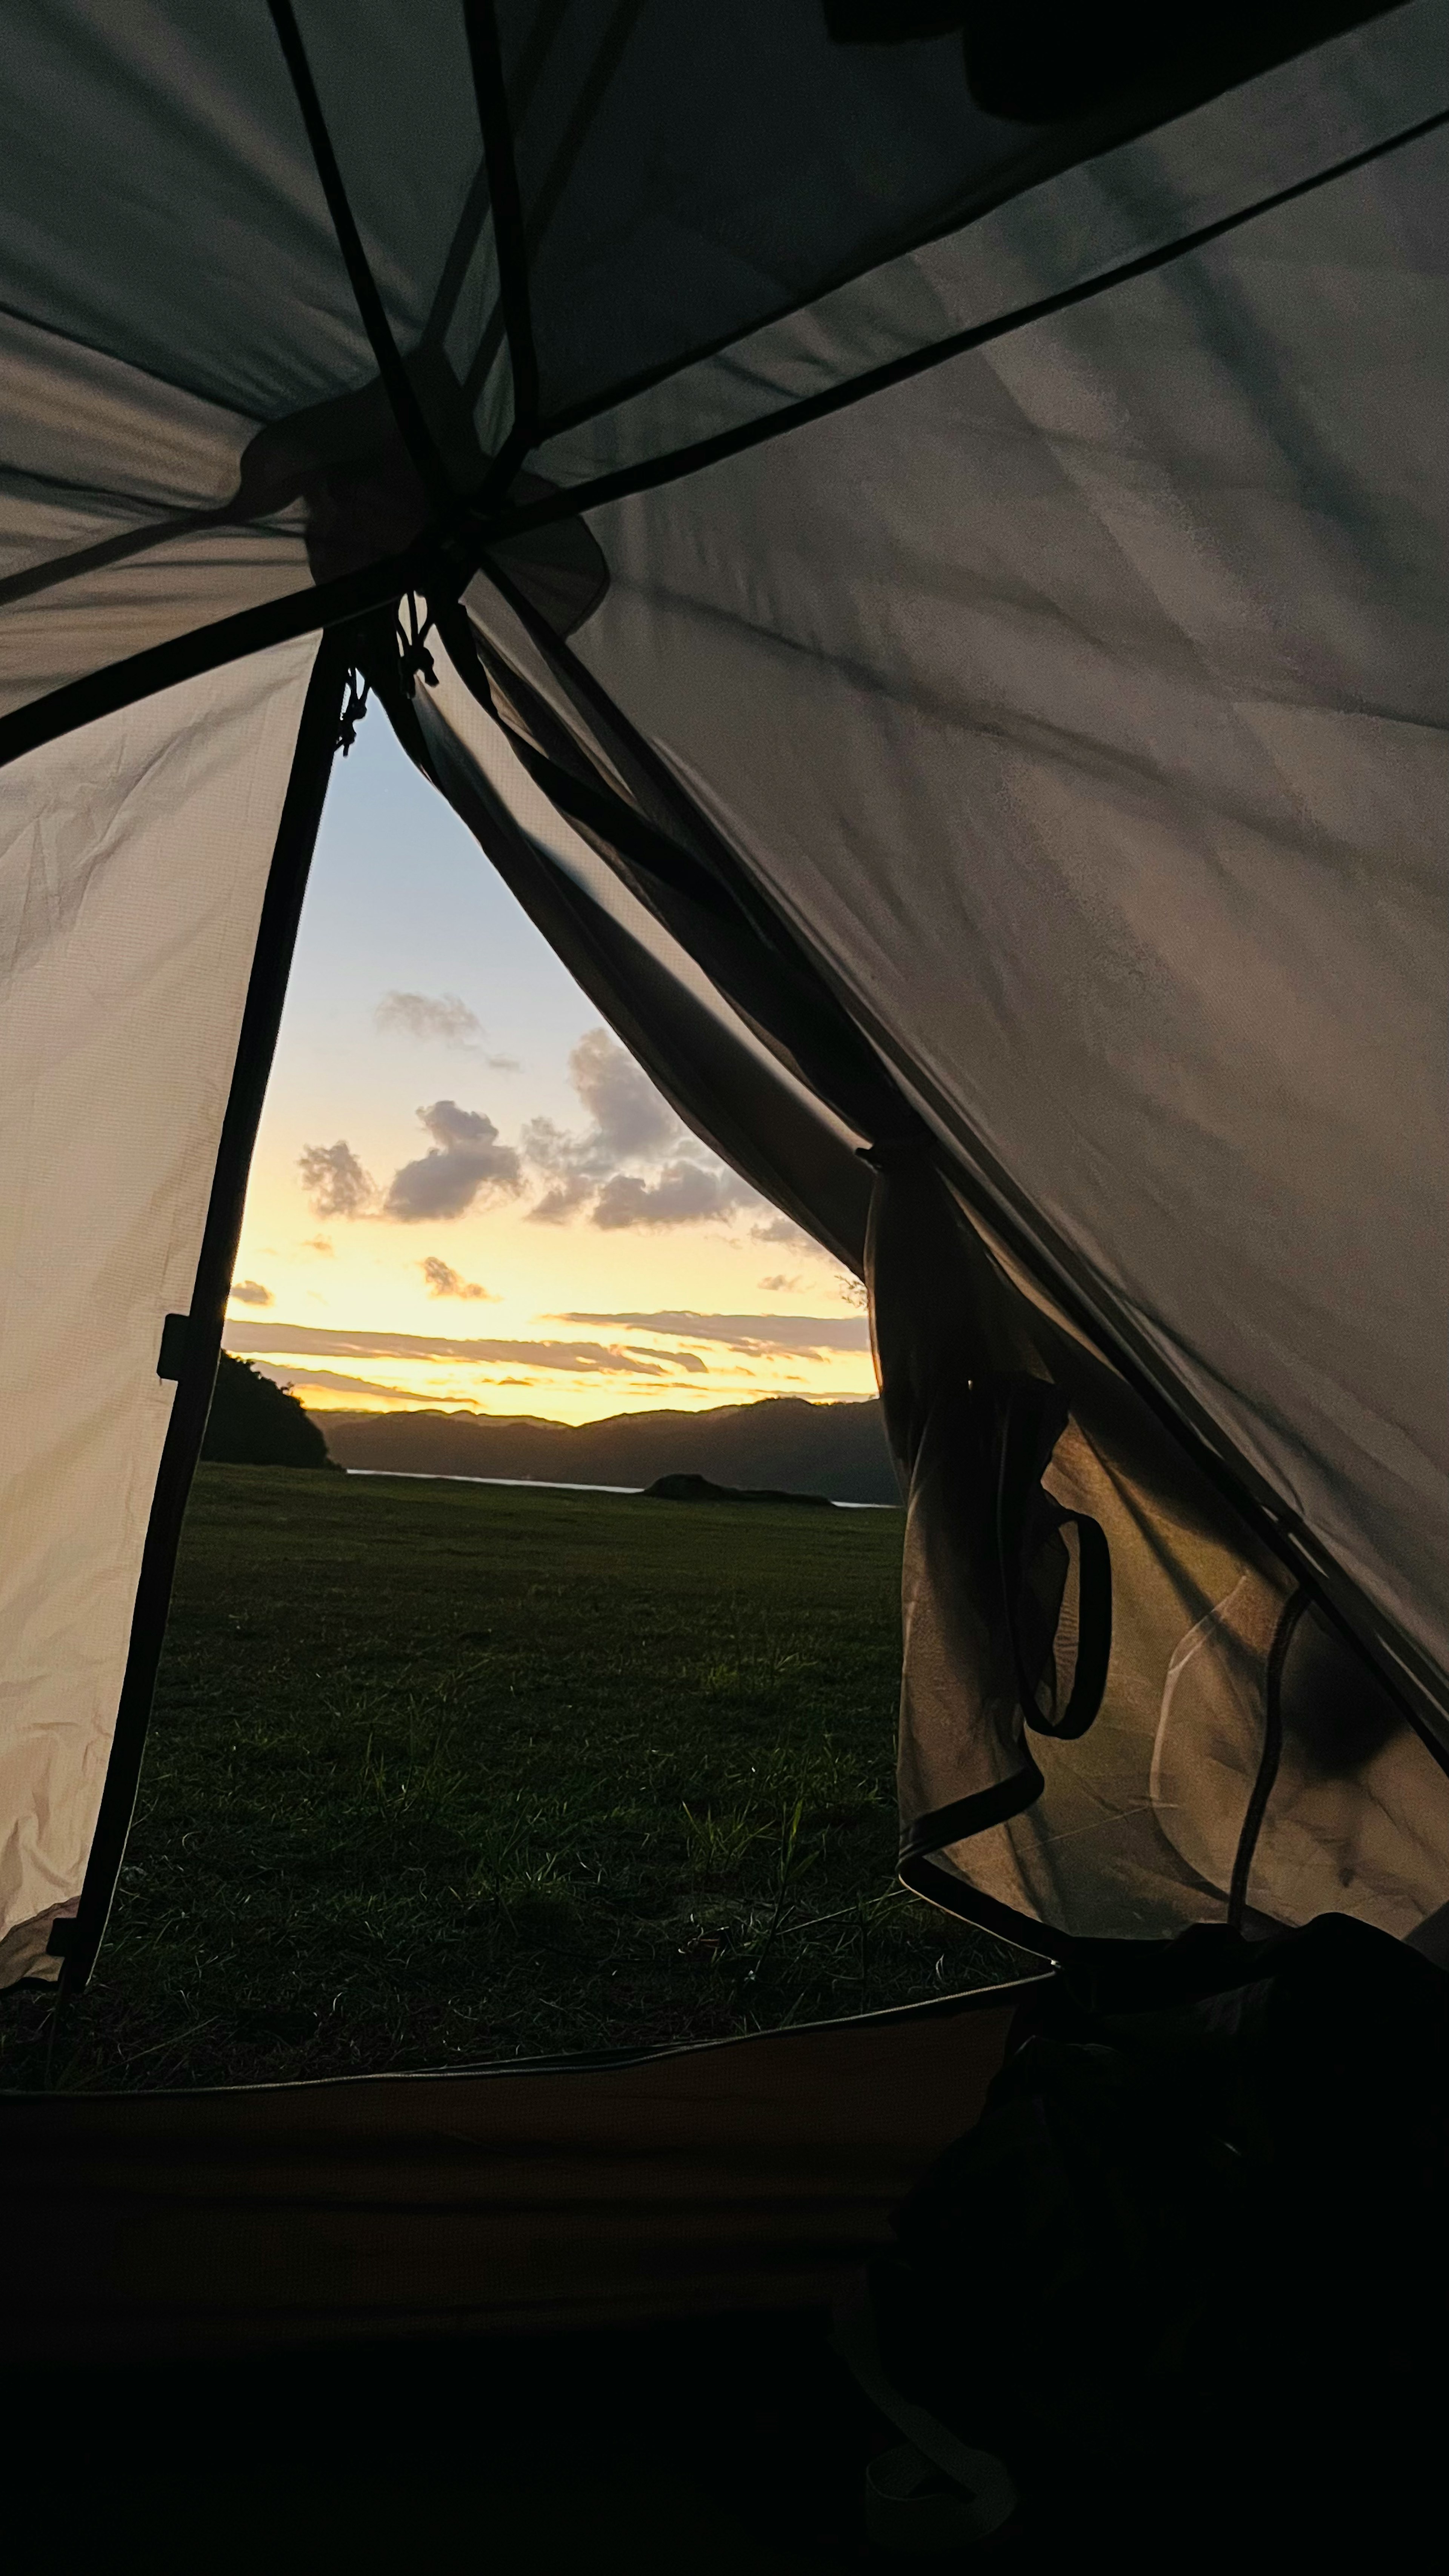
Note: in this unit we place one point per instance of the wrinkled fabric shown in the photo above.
(133, 861)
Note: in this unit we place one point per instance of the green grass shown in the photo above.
(442, 1773)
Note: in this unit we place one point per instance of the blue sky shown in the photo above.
(548, 1241)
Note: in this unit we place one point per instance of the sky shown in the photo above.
(465, 1192)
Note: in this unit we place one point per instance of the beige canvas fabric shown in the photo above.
(133, 861)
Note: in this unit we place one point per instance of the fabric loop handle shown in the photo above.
(1033, 1415)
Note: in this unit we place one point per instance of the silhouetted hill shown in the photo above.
(698, 1489)
(254, 1423)
(834, 1449)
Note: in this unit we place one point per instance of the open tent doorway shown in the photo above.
(472, 1763)
(917, 550)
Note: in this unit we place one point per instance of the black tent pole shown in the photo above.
(408, 412)
(486, 55)
(191, 1343)
(651, 473)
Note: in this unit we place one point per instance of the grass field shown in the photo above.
(442, 1773)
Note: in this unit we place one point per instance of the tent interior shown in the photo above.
(913, 537)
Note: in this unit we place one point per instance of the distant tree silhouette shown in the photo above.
(254, 1423)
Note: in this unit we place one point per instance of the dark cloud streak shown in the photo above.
(795, 1335)
(444, 1281)
(597, 1359)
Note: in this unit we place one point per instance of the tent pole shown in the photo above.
(228, 639)
(486, 56)
(408, 412)
(652, 472)
(199, 1341)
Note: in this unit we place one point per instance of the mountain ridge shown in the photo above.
(837, 1448)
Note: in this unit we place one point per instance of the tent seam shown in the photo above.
(679, 463)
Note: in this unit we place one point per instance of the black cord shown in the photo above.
(415, 661)
(352, 711)
(1269, 1760)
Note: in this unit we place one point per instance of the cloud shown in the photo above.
(250, 1292)
(634, 1166)
(335, 1181)
(797, 1335)
(440, 1016)
(550, 1151)
(326, 1341)
(318, 1243)
(684, 1194)
(630, 1118)
(780, 1286)
(443, 1281)
(330, 1378)
(466, 1159)
(783, 1229)
(681, 1183)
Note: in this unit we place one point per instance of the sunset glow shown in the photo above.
(465, 1193)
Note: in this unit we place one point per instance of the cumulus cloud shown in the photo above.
(567, 1189)
(250, 1292)
(444, 1281)
(630, 1118)
(335, 1181)
(684, 1194)
(443, 1017)
(633, 1166)
(681, 1182)
(780, 1286)
(466, 1160)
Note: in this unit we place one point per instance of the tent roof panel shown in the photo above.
(1082, 703)
(1075, 225)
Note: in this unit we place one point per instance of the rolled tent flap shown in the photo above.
(715, 1072)
(134, 863)
(1119, 1715)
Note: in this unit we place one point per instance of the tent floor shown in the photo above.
(732, 2447)
(727, 2448)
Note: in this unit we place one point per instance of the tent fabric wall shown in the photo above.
(715, 1073)
(113, 492)
(1080, 704)
(134, 858)
(1238, 1763)
(1052, 234)
(151, 334)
